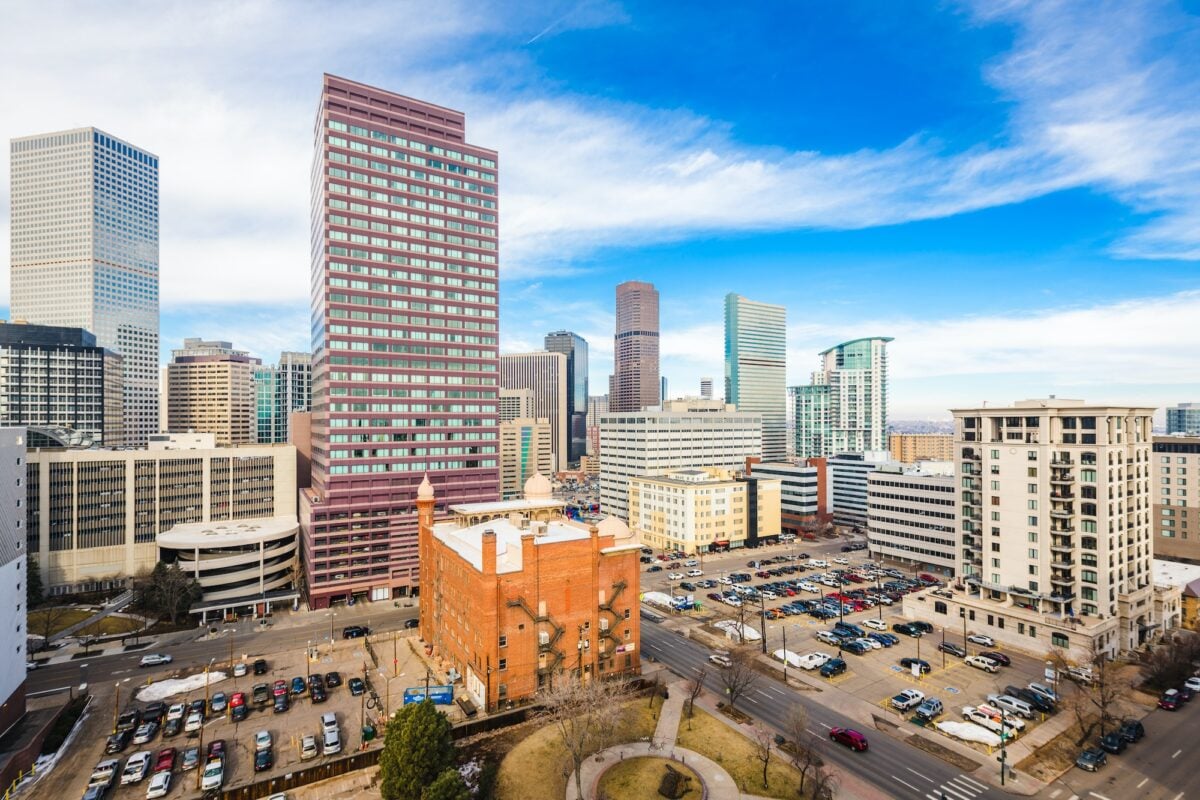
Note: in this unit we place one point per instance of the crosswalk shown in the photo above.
(959, 788)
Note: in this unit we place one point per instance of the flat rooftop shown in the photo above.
(223, 534)
(468, 541)
(507, 506)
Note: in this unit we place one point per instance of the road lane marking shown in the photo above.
(956, 791)
(919, 775)
(1055, 793)
(906, 783)
(1143, 783)
(823, 725)
(973, 782)
(1179, 796)
(1177, 752)
(1102, 797)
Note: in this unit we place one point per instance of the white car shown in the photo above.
(194, 722)
(154, 660)
(979, 662)
(841, 561)
(214, 775)
(691, 562)
(136, 768)
(871, 643)
(308, 748)
(1080, 674)
(331, 743)
(979, 638)
(1193, 684)
(694, 573)
(876, 624)
(159, 786)
(909, 698)
(239, 670)
(809, 587)
(175, 712)
(263, 741)
(733, 601)
(674, 576)
(722, 661)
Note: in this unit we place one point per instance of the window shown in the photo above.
(503, 664)
(503, 640)
(1059, 640)
(939, 607)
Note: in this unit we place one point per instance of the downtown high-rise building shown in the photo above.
(280, 390)
(85, 252)
(756, 367)
(405, 334)
(544, 374)
(575, 348)
(844, 409)
(210, 389)
(634, 384)
(706, 388)
(1183, 419)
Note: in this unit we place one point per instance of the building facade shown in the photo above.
(1054, 508)
(909, 448)
(279, 391)
(1177, 498)
(515, 595)
(703, 510)
(634, 383)
(58, 378)
(516, 404)
(85, 251)
(93, 516)
(413, 391)
(756, 367)
(524, 452)
(210, 389)
(597, 405)
(912, 518)
(687, 434)
(575, 348)
(1184, 419)
(844, 408)
(13, 577)
(545, 375)
(706, 388)
(803, 493)
(848, 485)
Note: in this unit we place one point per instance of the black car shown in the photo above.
(907, 663)
(834, 666)
(172, 727)
(316, 680)
(654, 568)
(409, 624)
(154, 712)
(952, 649)
(357, 686)
(999, 658)
(1033, 698)
(263, 760)
(281, 704)
(923, 627)
(907, 629)
(1113, 743)
(355, 631)
(239, 713)
(198, 706)
(1186, 694)
(1131, 730)
(260, 667)
(129, 720)
(317, 694)
(1092, 759)
(333, 679)
(118, 741)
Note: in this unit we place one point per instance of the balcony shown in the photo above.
(1062, 513)
(1062, 477)
(971, 455)
(1064, 563)
(1063, 527)
(1062, 494)
(974, 483)
(1062, 461)
(1062, 580)
(1061, 547)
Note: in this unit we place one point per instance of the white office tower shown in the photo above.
(85, 251)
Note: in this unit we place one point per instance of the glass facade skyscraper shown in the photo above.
(575, 348)
(279, 390)
(85, 252)
(844, 409)
(1184, 419)
(756, 367)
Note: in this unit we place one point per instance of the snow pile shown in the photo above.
(969, 732)
(161, 690)
(733, 628)
(657, 599)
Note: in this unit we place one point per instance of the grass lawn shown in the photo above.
(712, 738)
(538, 766)
(111, 625)
(63, 618)
(638, 779)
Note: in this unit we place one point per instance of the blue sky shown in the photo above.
(1010, 189)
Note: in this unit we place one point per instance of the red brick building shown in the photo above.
(513, 593)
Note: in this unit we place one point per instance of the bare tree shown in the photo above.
(695, 686)
(739, 677)
(48, 620)
(587, 715)
(806, 757)
(764, 744)
(1091, 701)
(824, 784)
(1170, 664)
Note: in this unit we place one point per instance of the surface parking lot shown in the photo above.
(287, 728)
(875, 675)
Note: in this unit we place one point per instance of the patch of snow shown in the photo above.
(161, 690)
(970, 732)
(46, 763)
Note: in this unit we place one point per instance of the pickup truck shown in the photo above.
(909, 698)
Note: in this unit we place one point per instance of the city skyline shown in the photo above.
(1050, 194)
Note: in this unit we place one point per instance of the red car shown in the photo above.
(165, 761)
(1169, 701)
(280, 688)
(851, 738)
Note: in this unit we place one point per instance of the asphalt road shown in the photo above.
(293, 632)
(894, 768)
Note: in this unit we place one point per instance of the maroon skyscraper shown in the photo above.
(405, 334)
(635, 383)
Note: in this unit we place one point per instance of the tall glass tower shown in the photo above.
(575, 348)
(756, 367)
(844, 409)
(85, 251)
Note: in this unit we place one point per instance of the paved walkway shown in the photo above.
(718, 783)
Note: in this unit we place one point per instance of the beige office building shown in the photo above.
(93, 516)
(1054, 518)
(909, 448)
(210, 389)
(703, 510)
(545, 376)
(524, 452)
(515, 404)
(1177, 498)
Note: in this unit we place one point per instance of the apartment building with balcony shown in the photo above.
(1054, 509)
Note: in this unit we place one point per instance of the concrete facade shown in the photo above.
(524, 452)
(1177, 498)
(545, 375)
(803, 493)
(13, 577)
(909, 448)
(210, 389)
(912, 518)
(514, 594)
(848, 485)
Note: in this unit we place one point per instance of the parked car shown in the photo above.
(260, 666)
(194, 722)
(1034, 699)
(1092, 759)
(1012, 705)
(154, 660)
(216, 749)
(172, 727)
(355, 631)
(979, 662)
(851, 738)
(176, 711)
(333, 679)
(240, 669)
(190, 759)
(1170, 700)
(907, 629)
(237, 707)
(979, 638)
(908, 663)
(876, 624)
(137, 766)
(263, 741)
(129, 720)
(931, 708)
(165, 760)
(1044, 691)
(317, 694)
(154, 712)
(1131, 730)
(218, 703)
(1113, 743)
(279, 687)
(999, 658)
(952, 649)
(263, 760)
(409, 624)
(160, 785)
(145, 732)
(281, 704)
(308, 748)
(909, 698)
(331, 742)
(834, 666)
(261, 693)
(214, 775)
(299, 687)
(357, 686)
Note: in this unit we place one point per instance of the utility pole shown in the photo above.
(201, 761)
(762, 619)
(943, 647)
(878, 594)
(362, 712)
(232, 633)
(785, 654)
(116, 707)
(395, 660)
(308, 661)
(1003, 739)
(964, 619)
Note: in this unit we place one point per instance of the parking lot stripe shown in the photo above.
(919, 775)
(1177, 752)
(1056, 793)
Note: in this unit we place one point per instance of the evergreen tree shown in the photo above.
(417, 748)
(448, 786)
(34, 590)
